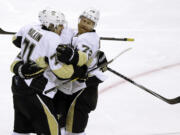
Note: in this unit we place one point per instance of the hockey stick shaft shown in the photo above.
(116, 39)
(169, 101)
(101, 38)
(103, 65)
(6, 32)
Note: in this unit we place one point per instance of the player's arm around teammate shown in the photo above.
(34, 112)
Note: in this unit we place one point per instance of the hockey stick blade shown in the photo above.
(116, 39)
(6, 32)
(169, 101)
(174, 100)
(102, 65)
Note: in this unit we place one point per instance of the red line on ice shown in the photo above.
(138, 75)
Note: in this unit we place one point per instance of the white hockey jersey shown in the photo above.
(73, 86)
(89, 43)
(38, 44)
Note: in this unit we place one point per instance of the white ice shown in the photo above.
(124, 109)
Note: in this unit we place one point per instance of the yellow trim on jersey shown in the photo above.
(65, 72)
(14, 38)
(70, 115)
(89, 62)
(52, 122)
(82, 58)
(41, 62)
(38, 72)
(13, 64)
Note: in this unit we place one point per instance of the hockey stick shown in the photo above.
(101, 38)
(6, 32)
(116, 39)
(102, 65)
(169, 101)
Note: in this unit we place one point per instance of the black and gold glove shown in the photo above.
(102, 60)
(27, 70)
(80, 73)
(66, 54)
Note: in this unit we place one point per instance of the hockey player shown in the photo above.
(34, 112)
(74, 109)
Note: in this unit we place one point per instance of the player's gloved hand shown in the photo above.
(102, 60)
(66, 54)
(28, 70)
(80, 73)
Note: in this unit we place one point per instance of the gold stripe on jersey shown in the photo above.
(70, 115)
(41, 62)
(36, 73)
(82, 58)
(13, 64)
(14, 38)
(52, 122)
(89, 62)
(65, 72)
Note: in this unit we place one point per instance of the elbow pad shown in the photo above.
(17, 41)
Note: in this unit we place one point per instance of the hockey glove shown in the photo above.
(67, 55)
(102, 60)
(93, 81)
(80, 73)
(27, 70)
